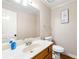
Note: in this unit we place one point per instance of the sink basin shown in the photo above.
(31, 48)
(35, 46)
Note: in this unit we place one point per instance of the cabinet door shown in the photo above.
(50, 49)
(42, 55)
(49, 56)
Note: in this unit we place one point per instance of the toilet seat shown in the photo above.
(58, 48)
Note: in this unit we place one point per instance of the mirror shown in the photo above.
(9, 24)
(19, 21)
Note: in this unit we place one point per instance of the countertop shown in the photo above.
(26, 52)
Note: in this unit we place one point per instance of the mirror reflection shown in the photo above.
(19, 20)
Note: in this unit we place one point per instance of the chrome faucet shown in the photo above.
(28, 43)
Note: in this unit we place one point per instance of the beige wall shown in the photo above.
(26, 25)
(38, 24)
(65, 34)
(45, 14)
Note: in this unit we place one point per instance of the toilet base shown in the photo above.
(56, 56)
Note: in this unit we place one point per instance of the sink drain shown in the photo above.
(31, 51)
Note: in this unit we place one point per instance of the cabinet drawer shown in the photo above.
(42, 54)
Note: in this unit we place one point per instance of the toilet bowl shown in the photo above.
(56, 51)
(58, 48)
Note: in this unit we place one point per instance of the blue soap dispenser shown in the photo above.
(12, 44)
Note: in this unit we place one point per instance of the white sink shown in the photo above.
(31, 48)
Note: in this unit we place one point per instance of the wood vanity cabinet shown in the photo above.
(48, 56)
(45, 54)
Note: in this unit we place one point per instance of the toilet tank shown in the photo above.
(50, 38)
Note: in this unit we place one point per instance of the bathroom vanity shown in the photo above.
(45, 54)
(39, 49)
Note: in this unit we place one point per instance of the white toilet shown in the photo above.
(56, 48)
(56, 51)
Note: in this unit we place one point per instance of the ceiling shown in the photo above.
(53, 3)
(48, 3)
(10, 4)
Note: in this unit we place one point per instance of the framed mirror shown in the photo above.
(19, 20)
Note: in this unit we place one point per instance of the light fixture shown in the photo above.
(50, 1)
(30, 1)
(17, 1)
(25, 2)
(6, 18)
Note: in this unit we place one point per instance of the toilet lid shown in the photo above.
(58, 48)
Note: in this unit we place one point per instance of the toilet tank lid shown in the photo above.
(49, 37)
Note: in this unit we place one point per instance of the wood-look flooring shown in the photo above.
(65, 57)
